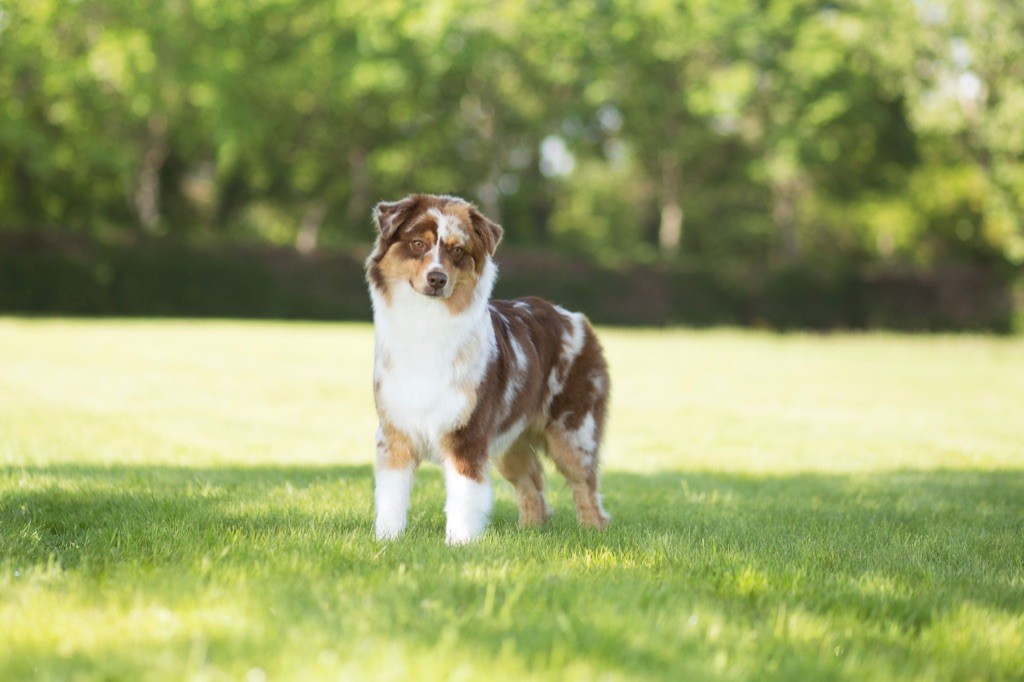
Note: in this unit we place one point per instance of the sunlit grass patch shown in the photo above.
(194, 500)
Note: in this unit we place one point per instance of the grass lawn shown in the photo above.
(193, 500)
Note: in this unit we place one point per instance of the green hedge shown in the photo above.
(161, 278)
(49, 274)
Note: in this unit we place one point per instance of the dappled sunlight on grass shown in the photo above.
(728, 568)
(757, 402)
(203, 392)
(146, 531)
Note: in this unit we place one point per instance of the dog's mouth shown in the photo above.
(429, 292)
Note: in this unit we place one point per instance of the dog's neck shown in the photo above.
(409, 318)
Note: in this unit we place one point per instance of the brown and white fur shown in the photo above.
(462, 380)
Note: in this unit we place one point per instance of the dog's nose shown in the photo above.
(437, 279)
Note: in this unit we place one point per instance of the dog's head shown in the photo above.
(439, 246)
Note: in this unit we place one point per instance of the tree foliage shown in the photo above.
(763, 131)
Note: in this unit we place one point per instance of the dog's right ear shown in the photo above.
(388, 216)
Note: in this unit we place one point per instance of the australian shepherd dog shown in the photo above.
(462, 380)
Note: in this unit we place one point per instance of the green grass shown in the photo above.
(193, 500)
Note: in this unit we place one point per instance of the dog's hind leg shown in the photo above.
(576, 426)
(574, 452)
(521, 466)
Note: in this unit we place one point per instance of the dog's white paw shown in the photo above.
(461, 533)
(392, 501)
(467, 508)
(389, 529)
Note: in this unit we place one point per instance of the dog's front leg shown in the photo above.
(468, 498)
(393, 476)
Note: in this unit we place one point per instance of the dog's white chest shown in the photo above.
(428, 368)
(420, 396)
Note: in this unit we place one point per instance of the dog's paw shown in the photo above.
(462, 529)
(462, 536)
(386, 530)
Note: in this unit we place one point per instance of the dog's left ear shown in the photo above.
(487, 230)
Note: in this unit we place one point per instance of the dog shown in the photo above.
(463, 381)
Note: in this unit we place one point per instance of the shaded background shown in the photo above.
(778, 163)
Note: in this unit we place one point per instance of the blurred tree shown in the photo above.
(967, 89)
(654, 54)
(779, 131)
(59, 165)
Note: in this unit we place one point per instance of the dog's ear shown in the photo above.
(388, 216)
(488, 231)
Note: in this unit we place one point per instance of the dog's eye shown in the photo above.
(457, 252)
(419, 244)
